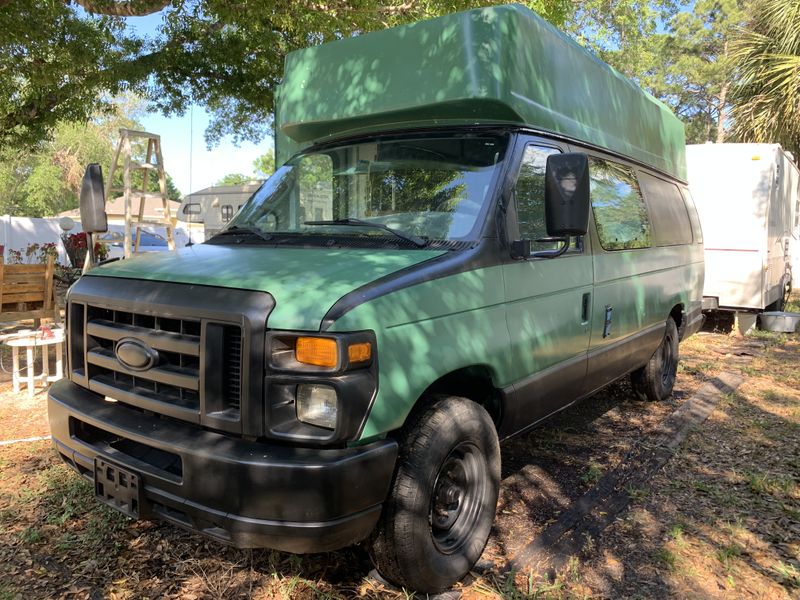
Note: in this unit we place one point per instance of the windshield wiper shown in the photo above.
(243, 230)
(417, 241)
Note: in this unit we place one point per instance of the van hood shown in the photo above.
(305, 282)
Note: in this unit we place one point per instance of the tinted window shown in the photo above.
(530, 196)
(227, 213)
(694, 218)
(619, 210)
(670, 219)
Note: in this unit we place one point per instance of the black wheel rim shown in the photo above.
(457, 498)
(668, 363)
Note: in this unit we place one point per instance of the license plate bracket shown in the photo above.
(118, 487)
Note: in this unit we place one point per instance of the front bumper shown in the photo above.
(248, 494)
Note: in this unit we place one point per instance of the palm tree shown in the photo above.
(767, 96)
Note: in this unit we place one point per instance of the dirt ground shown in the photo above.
(720, 520)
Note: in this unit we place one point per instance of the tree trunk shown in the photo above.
(722, 112)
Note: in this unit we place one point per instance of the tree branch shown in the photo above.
(123, 8)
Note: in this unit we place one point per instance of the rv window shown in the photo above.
(670, 220)
(227, 213)
(193, 208)
(619, 210)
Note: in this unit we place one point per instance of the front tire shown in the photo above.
(441, 506)
(656, 379)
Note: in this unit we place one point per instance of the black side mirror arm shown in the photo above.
(521, 249)
(552, 253)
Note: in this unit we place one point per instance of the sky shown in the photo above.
(191, 165)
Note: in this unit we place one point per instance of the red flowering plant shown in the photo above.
(34, 253)
(76, 245)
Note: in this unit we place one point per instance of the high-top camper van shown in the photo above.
(475, 223)
(748, 198)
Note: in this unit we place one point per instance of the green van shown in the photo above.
(475, 224)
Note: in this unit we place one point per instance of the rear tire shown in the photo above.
(655, 380)
(442, 502)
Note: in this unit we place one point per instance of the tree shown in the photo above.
(678, 51)
(693, 69)
(234, 179)
(767, 93)
(264, 165)
(46, 179)
(61, 63)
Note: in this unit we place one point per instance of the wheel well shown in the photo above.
(473, 382)
(677, 315)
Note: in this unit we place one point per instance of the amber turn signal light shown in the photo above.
(321, 352)
(358, 353)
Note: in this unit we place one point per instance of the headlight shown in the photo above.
(316, 405)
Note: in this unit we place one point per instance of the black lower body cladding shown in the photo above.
(248, 494)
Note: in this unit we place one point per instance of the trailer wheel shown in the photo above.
(441, 506)
(655, 380)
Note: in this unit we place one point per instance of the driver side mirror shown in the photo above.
(93, 201)
(566, 195)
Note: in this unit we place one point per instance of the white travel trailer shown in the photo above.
(747, 198)
(213, 207)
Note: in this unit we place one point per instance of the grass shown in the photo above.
(7, 593)
(667, 558)
(788, 573)
(716, 521)
(592, 474)
(762, 483)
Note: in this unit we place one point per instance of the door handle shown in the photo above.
(585, 306)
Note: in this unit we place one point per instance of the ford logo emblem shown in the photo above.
(135, 354)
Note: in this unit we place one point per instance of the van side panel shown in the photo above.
(549, 332)
(428, 330)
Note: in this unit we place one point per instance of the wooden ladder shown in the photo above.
(153, 162)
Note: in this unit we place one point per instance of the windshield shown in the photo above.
(428, 188)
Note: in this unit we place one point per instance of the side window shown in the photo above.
(619, 210)
(529, 194)
(227, 213)
(670, 220)
(694, 218)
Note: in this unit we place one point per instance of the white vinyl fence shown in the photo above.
(17, 232)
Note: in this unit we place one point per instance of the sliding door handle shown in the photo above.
(586, 304)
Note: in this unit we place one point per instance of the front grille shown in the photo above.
(171, 386)
(232, 367)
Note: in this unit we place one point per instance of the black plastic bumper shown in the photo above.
(248, 494)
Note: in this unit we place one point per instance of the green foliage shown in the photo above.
(59, 63)
(234, 179)
(264, 165)
(45, 179)
(768, 91)
(679, 51)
